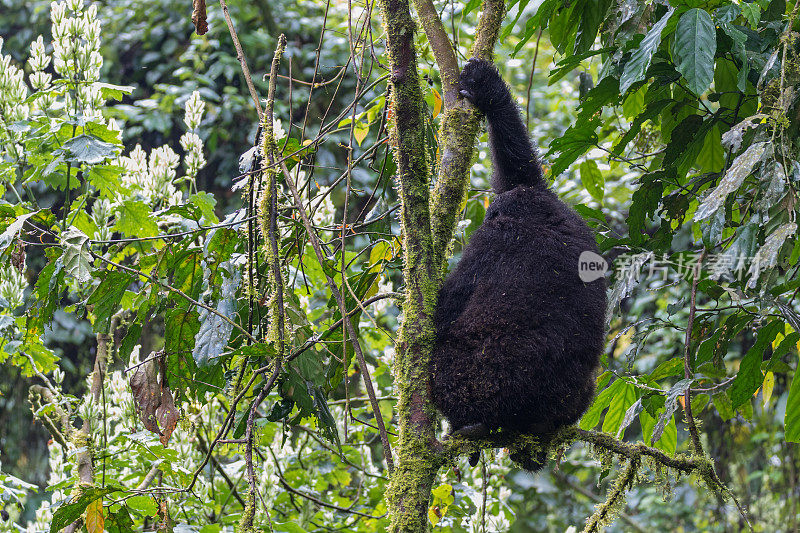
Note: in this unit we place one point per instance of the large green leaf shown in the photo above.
(641, 57)
(620, 402)
(694, 48)
(106, 298)
(70, 512)
(89, 149)
(591, 17)
(134, 219)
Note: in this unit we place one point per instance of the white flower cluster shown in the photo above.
(155, 177)
(13, 91)
(76, 40)
(12, 287)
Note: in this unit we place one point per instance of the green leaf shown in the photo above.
(749, 377)
(180, 329)
(569, 63)
(620, 402)
(106, 298)
(142, 505)
(113, 92)
(694, 49)
(564, 24)
(77, 260)
(751, 12)
(206, 202)
(668, 442)
(88, 149)
(652, 111)
(592, 179)
(573, 144)
(712, 155)
(592, 16)
(637, 65)
(592, 416)
(606, 92)
(106, 178)
(723, 404)
(135, 219)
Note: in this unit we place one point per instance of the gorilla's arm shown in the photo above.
(514, 157)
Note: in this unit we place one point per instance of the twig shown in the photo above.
(242, 59)
(687, 366)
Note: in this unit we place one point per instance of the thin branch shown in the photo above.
(242, 59)
(687, 366)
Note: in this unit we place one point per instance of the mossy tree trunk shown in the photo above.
(418, 454)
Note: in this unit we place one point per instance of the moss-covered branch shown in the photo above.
(411, 483)
(460, 125)
(633, 454)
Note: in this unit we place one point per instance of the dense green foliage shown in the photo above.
(130, 227)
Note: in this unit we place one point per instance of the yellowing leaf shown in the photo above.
(437, 103)
(486, 202)
(434, 515)
(360, 134)
(766, 388)
(95, 521)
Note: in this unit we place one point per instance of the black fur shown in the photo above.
(519, 334)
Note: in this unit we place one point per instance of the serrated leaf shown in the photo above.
(113, 92)
(106, 298)
(135, 219)
(694, 48)
(76, 257)
(637, 65)
(206, 202)
(106, 178)
(573, 144)
(88, 149)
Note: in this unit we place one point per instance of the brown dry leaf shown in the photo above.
(147, 394)
(167, 415)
